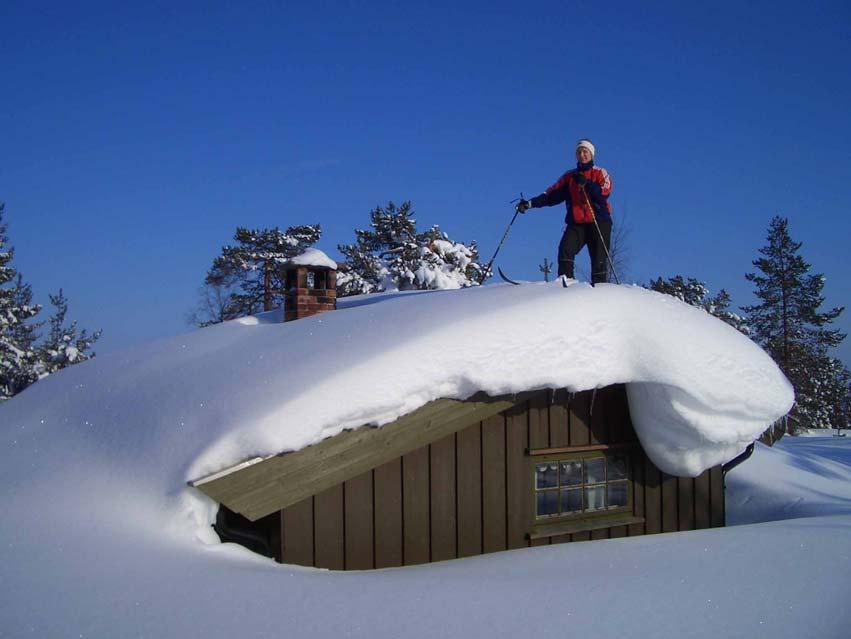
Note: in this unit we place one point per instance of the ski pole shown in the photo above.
(501, 242)
(600, 233)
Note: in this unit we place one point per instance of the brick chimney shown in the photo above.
(310, 280)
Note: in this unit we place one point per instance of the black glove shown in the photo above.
(594, 190)
(579, 178)
(523, 206)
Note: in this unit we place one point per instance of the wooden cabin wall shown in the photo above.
(470, 493)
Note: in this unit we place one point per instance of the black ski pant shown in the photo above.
(578, 235)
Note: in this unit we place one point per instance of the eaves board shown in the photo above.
(258, 489)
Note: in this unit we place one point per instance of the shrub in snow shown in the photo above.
(394, 256)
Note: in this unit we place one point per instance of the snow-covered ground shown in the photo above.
(101, 536)
(66, 576)
(799, 477)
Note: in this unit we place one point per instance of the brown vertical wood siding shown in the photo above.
(328, 529)
(518, 500)
(470, 497)
(444, 511)
(539, 437)
(297, 543)
(471, 492)
(493, 484)
(416, 542)
(387, 482)
(359, 522)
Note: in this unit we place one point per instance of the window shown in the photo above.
(316, 279)
(581, 485)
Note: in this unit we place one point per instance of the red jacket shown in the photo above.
(597, 189)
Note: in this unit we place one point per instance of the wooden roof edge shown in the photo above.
(252, 461)
(196, 483)
(479, 396)
(261, 485)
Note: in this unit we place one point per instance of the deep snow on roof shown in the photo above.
(181, 408)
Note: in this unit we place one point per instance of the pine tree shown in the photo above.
(245, 279)
(23, 361)
(18, 357)
(841, 417)
(824, 397)
(62, 346)
(694, 292)
(788, 324)
(394, 256)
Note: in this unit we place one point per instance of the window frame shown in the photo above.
(595, 518)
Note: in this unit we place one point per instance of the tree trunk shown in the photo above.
(267, 286)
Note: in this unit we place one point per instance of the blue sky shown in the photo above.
(136, 138)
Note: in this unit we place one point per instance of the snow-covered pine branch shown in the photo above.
(392, 255)
(63, 345)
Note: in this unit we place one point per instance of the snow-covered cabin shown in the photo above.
(509, 417)
(400, 428)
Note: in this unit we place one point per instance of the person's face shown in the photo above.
(583, 155)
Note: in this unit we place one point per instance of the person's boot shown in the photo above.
(597, 278)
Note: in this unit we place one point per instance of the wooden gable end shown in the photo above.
(255, 490)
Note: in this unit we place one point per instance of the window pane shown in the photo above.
(595, 470)
(546, 476)
(571, 500)
(617, 467)
(617, 494)
(547, 503)
(595, 498)
(571, 473)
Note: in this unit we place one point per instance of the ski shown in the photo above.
(505, 277)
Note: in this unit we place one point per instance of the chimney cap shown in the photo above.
(312, 257)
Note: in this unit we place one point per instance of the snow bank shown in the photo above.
(797, 477)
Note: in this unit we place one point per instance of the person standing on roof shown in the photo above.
(585, 192)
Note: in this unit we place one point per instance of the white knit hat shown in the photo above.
(586, 144)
